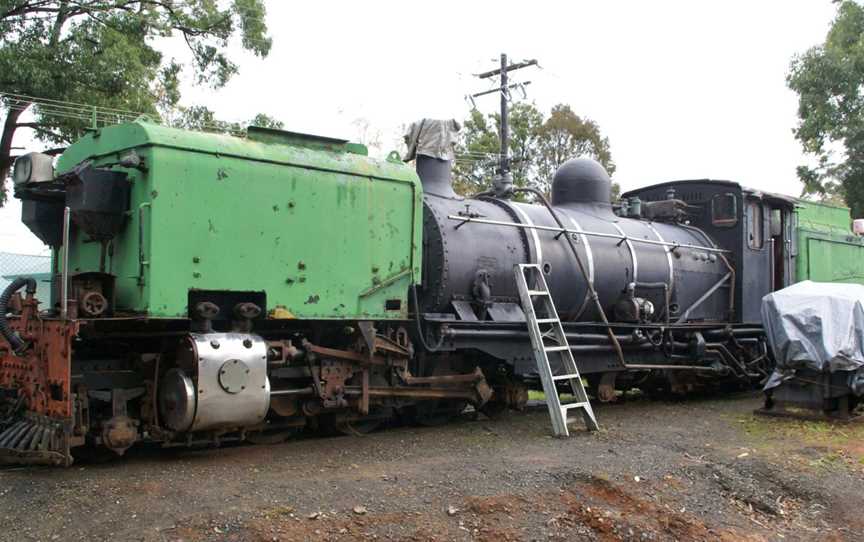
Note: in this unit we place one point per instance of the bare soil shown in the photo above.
(703, 469)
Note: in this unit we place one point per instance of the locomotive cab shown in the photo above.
(755, 227)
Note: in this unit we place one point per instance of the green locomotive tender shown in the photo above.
(324, 230)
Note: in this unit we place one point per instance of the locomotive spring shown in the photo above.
(30, 435)
(11, 434)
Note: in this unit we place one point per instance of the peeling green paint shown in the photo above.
(296, 222)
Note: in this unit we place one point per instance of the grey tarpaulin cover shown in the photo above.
(817, 326)
(431, 137)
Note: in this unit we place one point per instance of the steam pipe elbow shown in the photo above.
(17, 343)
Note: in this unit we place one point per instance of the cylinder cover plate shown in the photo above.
(177, 400)
(233, 376)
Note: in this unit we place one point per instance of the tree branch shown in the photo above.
(27, 8)
(40, 128)
(9, 126)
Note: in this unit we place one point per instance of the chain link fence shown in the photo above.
(14, 265)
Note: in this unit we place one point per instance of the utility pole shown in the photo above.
(504, 89)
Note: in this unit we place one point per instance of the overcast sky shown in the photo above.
(688, 89)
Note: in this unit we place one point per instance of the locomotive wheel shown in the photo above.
(377, 416)
(495, 410)
(435, 413)
(271, 437)
(359, 426)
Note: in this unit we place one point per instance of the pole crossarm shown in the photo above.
(509, 68)
(494, 90)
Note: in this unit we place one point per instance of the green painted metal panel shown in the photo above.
(324, 230)
(831, 260)
(828, 251)
(821, 216)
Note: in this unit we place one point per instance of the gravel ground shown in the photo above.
(704, 469)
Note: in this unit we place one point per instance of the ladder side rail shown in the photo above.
(557, 412)
(553, 403)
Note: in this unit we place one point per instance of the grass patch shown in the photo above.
(835, 444)
(534, 395)
(822, 432)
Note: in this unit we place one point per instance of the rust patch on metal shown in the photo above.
(42, 375)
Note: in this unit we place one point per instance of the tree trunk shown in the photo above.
(9, 128)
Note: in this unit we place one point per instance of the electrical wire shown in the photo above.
(102, 115)
(24, 97)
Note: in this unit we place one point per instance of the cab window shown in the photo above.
(724, 210)
(755, 225)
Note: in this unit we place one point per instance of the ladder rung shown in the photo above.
(547, 320)
(565, 377)
(556, 348)
(538, 292)
(570, 406)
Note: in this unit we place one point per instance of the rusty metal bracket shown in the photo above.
(470, 378)
(472, 386)
(348, 355)
(356, 357)
(416, 393)
(390, 346)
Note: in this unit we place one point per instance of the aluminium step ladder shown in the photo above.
(547, 337)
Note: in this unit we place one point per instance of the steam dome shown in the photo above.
(581, 180)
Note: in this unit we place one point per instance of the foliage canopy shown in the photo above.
(829, 80)
(538, 145)
(102, 53)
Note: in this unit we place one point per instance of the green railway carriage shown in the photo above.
(827, 249)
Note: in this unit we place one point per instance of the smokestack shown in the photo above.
(436, 175)
(431, 145)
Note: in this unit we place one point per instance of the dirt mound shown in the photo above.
(615, 514)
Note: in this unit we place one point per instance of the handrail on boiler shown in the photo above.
(674, 246)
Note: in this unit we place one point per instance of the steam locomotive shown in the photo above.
(208, 288)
